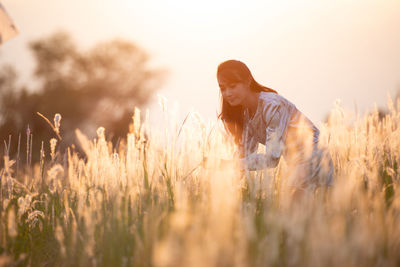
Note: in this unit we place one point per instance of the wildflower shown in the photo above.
(54, 182)
(34, 218)
(57, 119)
(21, 206)
(53, 143)
(55, 170)
(28, 200)
(8, 165)
(34, 214)
(100, 132)
(162, 101)
(136, 122)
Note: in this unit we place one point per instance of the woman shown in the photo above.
(255, 114)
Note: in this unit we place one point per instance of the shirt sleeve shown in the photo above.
(277, 119)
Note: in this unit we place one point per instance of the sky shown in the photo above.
(311, 52)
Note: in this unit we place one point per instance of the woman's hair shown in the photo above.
(234, 71)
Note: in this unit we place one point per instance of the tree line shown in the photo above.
(90, 88)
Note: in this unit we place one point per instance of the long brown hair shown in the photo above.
(234, 71)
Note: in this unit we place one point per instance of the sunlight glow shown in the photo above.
(207, 18)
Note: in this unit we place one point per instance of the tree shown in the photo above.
(97, 87)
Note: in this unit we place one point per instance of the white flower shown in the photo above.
(57, 119)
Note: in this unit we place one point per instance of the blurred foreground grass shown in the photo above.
(149, 202)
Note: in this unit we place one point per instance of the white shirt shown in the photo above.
(282, 128)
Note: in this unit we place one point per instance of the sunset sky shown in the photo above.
(311, 52)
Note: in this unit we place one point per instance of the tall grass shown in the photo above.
(151, 202)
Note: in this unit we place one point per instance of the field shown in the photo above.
(150, 201)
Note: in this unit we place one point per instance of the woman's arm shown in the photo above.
(277, 120)
(256, 161)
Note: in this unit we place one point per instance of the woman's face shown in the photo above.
(234, 93)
